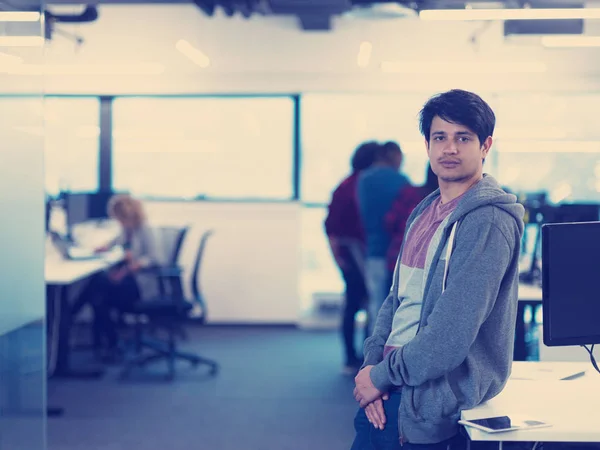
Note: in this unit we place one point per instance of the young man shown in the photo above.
(443, 339)
(378, 188)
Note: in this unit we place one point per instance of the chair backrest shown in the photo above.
(195, 279)
(172, 241)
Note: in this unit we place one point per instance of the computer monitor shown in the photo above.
(98, 205)
(76, 208)
(571, 292)
(573, 212)
(87, 206)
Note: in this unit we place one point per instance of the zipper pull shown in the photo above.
(401, 441)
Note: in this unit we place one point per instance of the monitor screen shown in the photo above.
(98, 205)
(571, 292)
(87, 206)
(573, 212)
(76, 208)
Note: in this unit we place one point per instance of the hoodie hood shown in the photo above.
(486, 192)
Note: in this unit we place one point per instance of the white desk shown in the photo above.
(570, 406)
(549, 370)
(63, 272)
(60, 274)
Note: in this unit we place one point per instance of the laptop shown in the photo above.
(70, 251)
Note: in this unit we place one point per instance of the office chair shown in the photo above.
(172, 238)
(169, 312)
(171, 242)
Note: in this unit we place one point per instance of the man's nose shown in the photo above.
(451, 147)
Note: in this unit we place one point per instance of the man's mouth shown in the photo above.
(449, 164)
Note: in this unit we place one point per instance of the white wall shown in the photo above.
(251, 267)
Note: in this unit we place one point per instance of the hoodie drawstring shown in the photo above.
(448, 253)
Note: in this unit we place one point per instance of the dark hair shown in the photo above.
(460, 107)
(364, 156)
(386, 150)
(390, 146)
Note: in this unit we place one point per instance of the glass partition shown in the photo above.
(22, 295)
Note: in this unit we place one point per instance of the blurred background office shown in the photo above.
(233, 123)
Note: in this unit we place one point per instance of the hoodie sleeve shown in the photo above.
(476, 270)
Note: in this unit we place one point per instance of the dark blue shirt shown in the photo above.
(377, 189)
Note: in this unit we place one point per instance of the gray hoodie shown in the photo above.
(462, 353)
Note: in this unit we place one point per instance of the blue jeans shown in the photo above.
(378, 280)
(370, 438)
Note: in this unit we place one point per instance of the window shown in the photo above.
(224, 147)
(334, 125)
(551, 144)
(71, 129)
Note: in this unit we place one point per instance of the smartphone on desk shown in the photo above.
(502, 424)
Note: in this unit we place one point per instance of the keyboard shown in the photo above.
(79, 253)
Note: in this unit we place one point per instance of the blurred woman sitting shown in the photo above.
(120, 288)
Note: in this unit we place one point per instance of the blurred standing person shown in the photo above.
(408, 198)
(378, 187)
(347, 241)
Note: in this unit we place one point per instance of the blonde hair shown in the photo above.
(127, 209)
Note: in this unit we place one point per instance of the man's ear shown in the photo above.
(485, 147)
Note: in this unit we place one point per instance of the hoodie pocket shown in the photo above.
(434, 401)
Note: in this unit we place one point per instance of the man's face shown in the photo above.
(454, 151)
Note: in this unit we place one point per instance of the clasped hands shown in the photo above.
(370, 398)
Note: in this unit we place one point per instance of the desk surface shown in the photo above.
(64, 272)
(571, 406)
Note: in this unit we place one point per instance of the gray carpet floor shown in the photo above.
(277, 389)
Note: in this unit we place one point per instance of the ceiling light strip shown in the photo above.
(364, 54)
(21, 41)
(510, 14)
(570, 41)
(19, 16)
(192, 53)
(491, 68)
